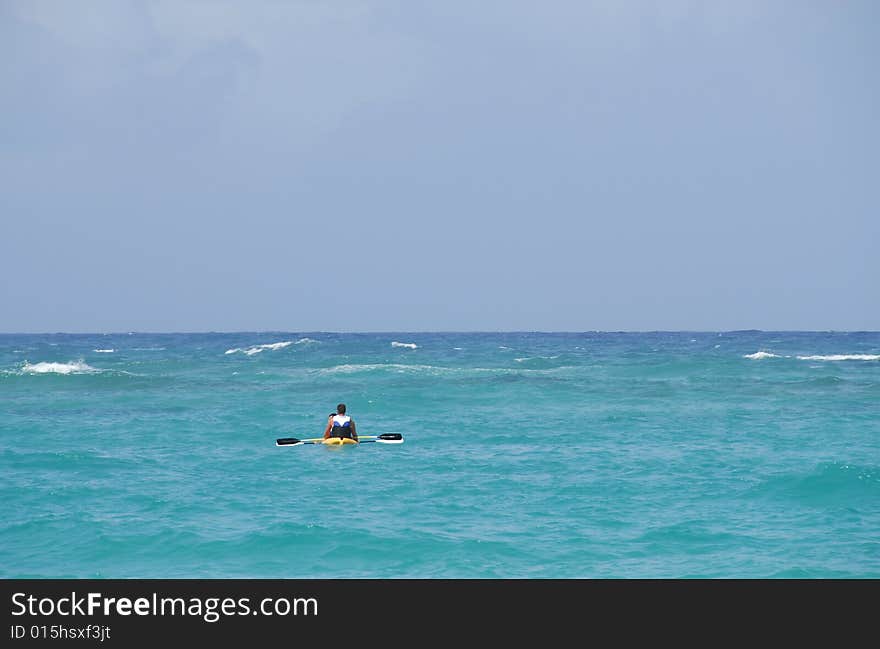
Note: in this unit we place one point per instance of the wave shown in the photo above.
(104, 351)
(829, 357)
(760, 355)
(532, 358)
(76, 367)
(828, 483)
(256, 349)
(368, 367)
(305, 341)
(842, 357)
(437, 370)
(824, 381)
(410, 345)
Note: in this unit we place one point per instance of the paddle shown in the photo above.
(385, 438)
(293, 441)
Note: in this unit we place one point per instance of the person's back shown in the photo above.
(340, 425)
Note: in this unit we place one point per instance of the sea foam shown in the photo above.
(75, 367)
(829, 357)
(256, 349)
(435, 370)
(842, 357)
(760, 355)
(532, 358)
(410, 345)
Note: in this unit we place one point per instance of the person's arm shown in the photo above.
(354, 433)
(329, 427)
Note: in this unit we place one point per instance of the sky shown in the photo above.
(439, 166)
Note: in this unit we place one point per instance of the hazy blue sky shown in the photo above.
(300, 166)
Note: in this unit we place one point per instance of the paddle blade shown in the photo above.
(390, 438)
(287, 441)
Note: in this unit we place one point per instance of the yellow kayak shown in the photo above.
(338, 441)
(384, 438)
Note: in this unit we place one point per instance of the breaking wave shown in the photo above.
(256, 349)
(842, 357)
(818, 357)
(760, 355)
(75, 367)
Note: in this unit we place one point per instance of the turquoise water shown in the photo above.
(733, 454)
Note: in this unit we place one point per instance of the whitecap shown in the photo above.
(281, 345)
(436, 370)
(530, 358)
(409, 345)
(366, 367)
(842, 357)
(104, 351)
(305, 341)
(76, 367)
(256, 349)
(760, 355)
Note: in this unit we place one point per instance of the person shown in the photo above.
(340, 425)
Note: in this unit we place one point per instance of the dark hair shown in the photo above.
(340, 408)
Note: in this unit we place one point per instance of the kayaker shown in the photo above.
(340, 425)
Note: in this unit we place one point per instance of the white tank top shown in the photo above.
(341, 420)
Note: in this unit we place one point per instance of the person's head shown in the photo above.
(340, 409)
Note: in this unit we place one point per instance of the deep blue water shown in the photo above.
(732, 454)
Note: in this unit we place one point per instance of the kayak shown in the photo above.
(338, 441)
(384, 438)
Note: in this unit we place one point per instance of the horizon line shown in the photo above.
(423, 331)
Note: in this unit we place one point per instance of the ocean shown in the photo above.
(742, 454)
